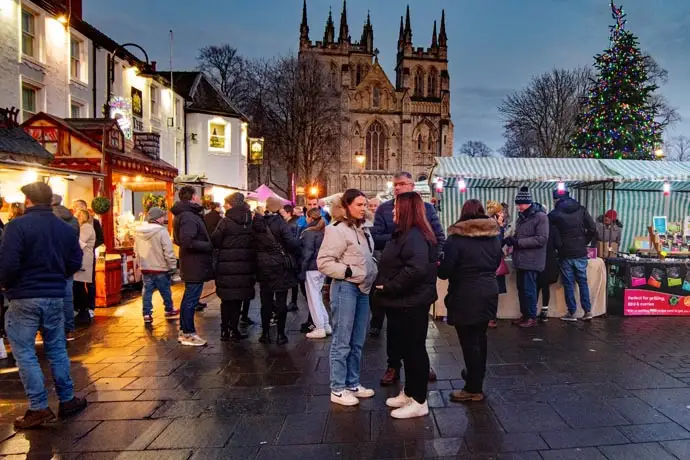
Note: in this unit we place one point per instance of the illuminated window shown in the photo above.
(217, 138)
(29, 33)
(29, 94)
(75, 56)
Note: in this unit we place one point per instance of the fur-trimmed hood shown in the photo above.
(338, 214)
(475, 228)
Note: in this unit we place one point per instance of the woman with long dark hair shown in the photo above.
(346, 256)
(406, 288)
(472, 255)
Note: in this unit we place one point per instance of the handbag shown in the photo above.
(288, 263)
(502, 269)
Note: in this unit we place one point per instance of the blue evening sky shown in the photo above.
(495, 46)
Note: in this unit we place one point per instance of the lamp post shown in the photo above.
(110, 79)
(360, 159)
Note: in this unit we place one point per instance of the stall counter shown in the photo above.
(509, 307)
(109, 280)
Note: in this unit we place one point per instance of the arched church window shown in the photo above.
(419, 83)
(359, 74)
(433, 83)
(430, 146)
(419, 143)
(376, 147)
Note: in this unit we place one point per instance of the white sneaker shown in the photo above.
(344, 398)
(193, 340)
(411, 410)
(3, 352)
(180, 336)
(92, 314)
(329, 329)
(361, 392)
(399, 401)
(317, 334)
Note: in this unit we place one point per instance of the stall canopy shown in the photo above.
(262, 193)
(638, 186)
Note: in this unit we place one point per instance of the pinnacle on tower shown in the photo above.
(442, 37)
(434, 40)
(304, 27)
(329, 34)
(344, 35)
(408, 28)
(368, 35)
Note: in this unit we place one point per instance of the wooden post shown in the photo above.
(107, 220)
(169, 201)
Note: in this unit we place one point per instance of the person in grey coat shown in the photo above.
(529, 253)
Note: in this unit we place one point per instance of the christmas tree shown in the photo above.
(618, 120)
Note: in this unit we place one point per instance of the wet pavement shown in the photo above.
(614, 389)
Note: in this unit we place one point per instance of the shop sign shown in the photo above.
(137, 103)
(256, 151)
(640, 302)
(121, 111)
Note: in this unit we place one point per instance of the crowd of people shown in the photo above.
(381, 261)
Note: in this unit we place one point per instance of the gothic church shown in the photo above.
(401, 127)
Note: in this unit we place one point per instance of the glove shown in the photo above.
(348, 272)
(510, 241)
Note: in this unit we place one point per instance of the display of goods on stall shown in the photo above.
(100, 205)
(151, 200)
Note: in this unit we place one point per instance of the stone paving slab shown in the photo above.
(614, 389)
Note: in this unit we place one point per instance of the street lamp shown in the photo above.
(110, 79)
(314, 191)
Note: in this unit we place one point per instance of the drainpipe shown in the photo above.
(94, 78)
(186, 139)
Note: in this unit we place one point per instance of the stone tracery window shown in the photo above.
(419, 83)
(432, 88)
(376, 143)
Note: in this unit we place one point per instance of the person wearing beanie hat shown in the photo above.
(276, 250)
(609, 229)
(576, 229)
(154, 254)
(529, 253)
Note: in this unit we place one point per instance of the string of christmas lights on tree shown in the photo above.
(618, 120)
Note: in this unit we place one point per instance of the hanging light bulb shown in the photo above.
(560, 188)
(462, 186)
(439, 185)
(667, 188)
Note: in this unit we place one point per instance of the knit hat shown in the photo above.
(523, 196)
(235, 200)
(611, 214)
(493, 208)
(273, 204)
(155, 214)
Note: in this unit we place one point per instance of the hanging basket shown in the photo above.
(100, 205)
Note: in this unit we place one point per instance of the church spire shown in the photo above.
(344, 35)
(443, 38)
(329, 34)
(368, 35)
(434, 39)
(408, 28)
(304, 27)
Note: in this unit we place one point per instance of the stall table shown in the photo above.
(108, 280)
(509, 306)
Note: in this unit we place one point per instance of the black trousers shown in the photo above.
(230, 311)
(377, 313)
(92, 287)
(407, 329)
(295, 292)
(273, 301)
(82, 300)
(544, 286)
(474, 349)
(245, 308)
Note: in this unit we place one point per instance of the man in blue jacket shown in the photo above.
(39, 252)
(312, 203)
(382, 232)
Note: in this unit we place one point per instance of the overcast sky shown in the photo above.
(495, 46)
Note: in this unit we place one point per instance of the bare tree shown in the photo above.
(475, 149)
(227, 69)
(678, 148)
(299, 114)
(666, 114)
(539, 120)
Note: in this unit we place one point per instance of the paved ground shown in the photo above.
(614, 389)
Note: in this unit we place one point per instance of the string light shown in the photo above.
(561, 188)
(439, 185)
(462, 186)
(667, 188)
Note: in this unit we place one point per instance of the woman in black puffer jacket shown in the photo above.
(406, 288)
(236, 264)
(472, 255)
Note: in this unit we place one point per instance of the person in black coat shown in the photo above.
(212, 218)
(196, 259)
(550, 274)
(235, 264)
(276, 247)
(471, 257)
(406, 288)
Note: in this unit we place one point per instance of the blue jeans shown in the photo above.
(68, 305)
(23, 319)
(160, 281)
(575, 271)
(192, 294)
(527, 292)
(350, 318)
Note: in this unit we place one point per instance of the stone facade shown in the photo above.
(387, 127)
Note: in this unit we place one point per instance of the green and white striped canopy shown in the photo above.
(641, 170)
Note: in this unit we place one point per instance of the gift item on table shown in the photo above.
(673, 276)
(686, 282)
(637, 277)
(656, 278)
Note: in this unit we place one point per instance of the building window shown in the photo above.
(430, 146)
(376, 97)
(359, 74)
(75, 56)
(75, 110)
(433, 83)
(217, 135)
(419, 83)
(419, 143)
(376, 147)
(29, 33)
(154, 101)
(28, 102)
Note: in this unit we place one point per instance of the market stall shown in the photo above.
(133, 178)
(259, 196)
